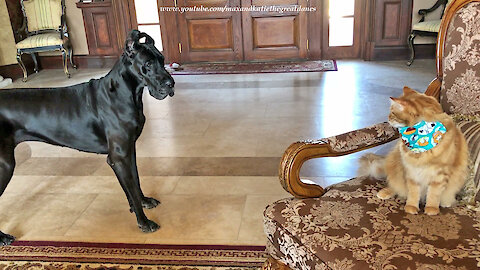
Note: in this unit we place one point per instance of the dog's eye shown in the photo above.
(148, 64)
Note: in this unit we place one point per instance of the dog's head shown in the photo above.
(148, 65)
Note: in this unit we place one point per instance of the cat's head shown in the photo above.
(412, 107)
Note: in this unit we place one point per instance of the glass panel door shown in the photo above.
(148, 20)
(341, 29)
(341, 19)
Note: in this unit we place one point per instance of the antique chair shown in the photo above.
(346, 226)
(46, 30)
(426, 28)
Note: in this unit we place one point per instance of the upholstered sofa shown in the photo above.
(346, 226)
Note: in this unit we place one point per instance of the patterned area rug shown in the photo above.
(260, 67)
(74, 255)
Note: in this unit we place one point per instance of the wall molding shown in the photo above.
(14, 71)
(82, 61)
(422, 51)
(55, 62)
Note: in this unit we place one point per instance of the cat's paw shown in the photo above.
(432, 211)
(385, 194)
(447, 202)
(410, 209)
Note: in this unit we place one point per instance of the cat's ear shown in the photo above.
(398, 104)
(407, 90)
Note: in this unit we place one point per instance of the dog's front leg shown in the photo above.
(120, 159)
(147, 202)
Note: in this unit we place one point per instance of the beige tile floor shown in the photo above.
(210, 154)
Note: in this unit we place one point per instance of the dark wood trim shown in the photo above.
(82, 61)
(425, 51)
(422, 51)
(314, 30)
(123, 19)
(14, 71)
(16, 17)
(388, 53)
(169, 30)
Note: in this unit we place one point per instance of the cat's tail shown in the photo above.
(372, 165)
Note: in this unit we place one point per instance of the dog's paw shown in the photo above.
(149, 226)
(432, 211)
(410, 209)
(6, 239)
(150, 203)
(147, 203)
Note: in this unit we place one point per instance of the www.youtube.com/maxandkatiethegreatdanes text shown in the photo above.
(276, 9)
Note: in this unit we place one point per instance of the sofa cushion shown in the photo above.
(349, 227)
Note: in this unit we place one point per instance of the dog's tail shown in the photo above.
(372, 165)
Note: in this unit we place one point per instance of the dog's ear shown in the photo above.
(131, 44)
(144, 38)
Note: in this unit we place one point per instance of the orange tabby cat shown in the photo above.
(435, 175)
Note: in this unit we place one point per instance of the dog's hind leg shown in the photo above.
(120, 159)
(7, 164)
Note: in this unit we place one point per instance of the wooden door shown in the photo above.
(210, 35)
(274, 35)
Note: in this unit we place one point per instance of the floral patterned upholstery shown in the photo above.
(471, 130)
(460, 92)
(360, 138)
(349, 227)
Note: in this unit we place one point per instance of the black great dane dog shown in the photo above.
(103, 116)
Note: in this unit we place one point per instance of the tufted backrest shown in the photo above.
(43, 14)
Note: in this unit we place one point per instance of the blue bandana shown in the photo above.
(423, 136)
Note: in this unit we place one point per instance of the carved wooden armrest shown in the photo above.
(424, 12)
(434, 88)
(344, 144)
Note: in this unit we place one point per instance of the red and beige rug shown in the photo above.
(83, 256)
(257, 67)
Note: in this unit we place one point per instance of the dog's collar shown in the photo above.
(422, 136)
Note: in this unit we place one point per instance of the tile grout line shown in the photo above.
(241, 219)
(81, 214)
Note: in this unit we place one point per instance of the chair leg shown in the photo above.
(20, 62)
(70, 55)
(34, 57)
(412, 49)
(65, 62)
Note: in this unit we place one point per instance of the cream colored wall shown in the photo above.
(74, 22)
(422, 4)
(8, 51)
(76, 28)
